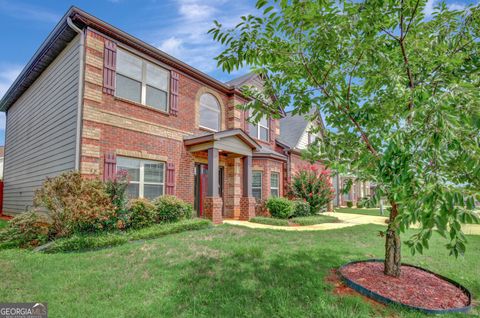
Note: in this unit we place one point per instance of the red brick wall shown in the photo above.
(114, 125)
(267, 166)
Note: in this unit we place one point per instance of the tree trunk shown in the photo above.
(393, 260)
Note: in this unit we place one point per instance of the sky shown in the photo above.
(178, 27)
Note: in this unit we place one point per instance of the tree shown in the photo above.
(399, 91)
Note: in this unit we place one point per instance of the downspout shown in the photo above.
(80, 92)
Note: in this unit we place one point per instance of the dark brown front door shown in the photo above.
(201, 184)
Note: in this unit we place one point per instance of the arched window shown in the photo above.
(209, 112)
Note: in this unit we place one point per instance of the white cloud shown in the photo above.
(8, 73)
(431, 4)
(184, 35)
(28, 12)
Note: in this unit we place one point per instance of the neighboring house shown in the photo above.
(295, 135)
(96, 99)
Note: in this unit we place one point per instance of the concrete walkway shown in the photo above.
(347, 219)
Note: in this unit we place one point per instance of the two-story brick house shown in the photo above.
(96, 99)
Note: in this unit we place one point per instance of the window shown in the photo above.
(146, 177)
(257, 185)
(141, 82)
(274, 184)
(260, 130)
(209, 112)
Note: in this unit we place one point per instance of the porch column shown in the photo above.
(247, 201)
(247, 176)
(213, 203)
(212, 190)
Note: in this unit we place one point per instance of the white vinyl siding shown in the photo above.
(41, 130)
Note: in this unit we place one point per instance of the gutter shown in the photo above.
(81, 75)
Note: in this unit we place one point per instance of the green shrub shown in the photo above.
(116, 189)
(29, 229)
(159, 230)
(279, 207)
(269, 221)
(314, 219)
(169, 208)
(314, 186)
(81, 242)
(141, 213)
(301, 208)
(359, 204)
(349, 204)
(77, 205)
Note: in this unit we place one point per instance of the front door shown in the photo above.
(201, 185)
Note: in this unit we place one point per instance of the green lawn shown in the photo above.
(302, 220)
(225, 271)
(365, 211)
(3, 223)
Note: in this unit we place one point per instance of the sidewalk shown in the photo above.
(347, 219)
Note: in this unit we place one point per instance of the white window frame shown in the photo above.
(143, 83)
(141, 183)
(219, 110)
(257, 127)
(278, 183)
(261, 183)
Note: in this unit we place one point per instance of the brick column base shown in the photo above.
(330, 206)
(212, 207)
(247, 208)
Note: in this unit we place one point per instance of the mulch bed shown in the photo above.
(414, 287)
(5, 217)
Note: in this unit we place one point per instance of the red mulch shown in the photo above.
(414, 287)
(5, 217)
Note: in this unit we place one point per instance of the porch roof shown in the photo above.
(233, 140)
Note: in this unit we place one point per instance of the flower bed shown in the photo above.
(416, 288)
(298, 221)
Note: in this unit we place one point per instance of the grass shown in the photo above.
(315, 219)
(3, 223)
(223, 271)
(364, 211)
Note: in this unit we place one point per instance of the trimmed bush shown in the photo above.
(269, 221)
(301, 208)
(279, 207)
(77, 205)
(82, 242)
(141, 213)
(314, 219)
(169, 208)
(159, 230)
(349, 204)
(27, 230)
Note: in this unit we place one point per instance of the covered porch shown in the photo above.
(223, 183)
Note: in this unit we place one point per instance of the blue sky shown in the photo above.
(177, 27)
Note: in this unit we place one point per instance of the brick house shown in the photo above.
(96, 99)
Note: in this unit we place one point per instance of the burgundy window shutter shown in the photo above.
(110, 166)
(109, 67)
(174, 93)
(170, 178)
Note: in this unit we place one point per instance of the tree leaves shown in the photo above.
(355, 63)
